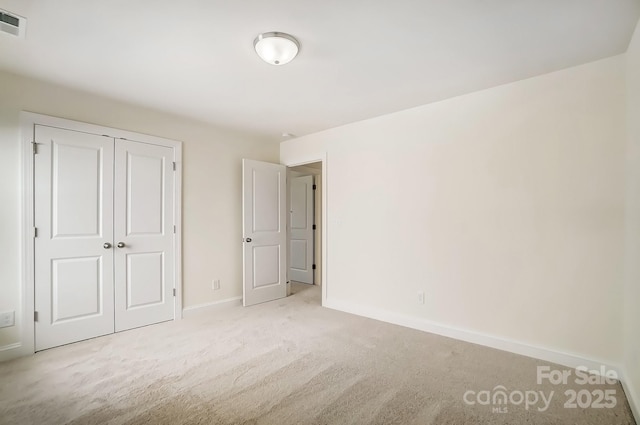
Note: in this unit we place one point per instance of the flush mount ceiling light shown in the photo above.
(276, 48)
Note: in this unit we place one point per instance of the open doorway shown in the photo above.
(304, 223)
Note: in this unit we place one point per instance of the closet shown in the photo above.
(104, 241)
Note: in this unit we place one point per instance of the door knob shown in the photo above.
(120, 244)
(248, 240)
(106, 245)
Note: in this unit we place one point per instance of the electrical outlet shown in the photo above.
(7, 318)
(216, 284)
(421, 297)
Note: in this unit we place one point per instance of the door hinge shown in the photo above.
(174, 166)
(315, 187)
(174, 228)
(35, 232)
(35, 316)
(174, 292)
(313, 267)
(314, 227)
(34, 145)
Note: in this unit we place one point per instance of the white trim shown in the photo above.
(27, 122)
(325, 208)
(11, 351)
(10, 347)
(27, 135)
(212, 306)
(572, 360)
(177, 240)
(66, 124)
(537, 352)
(631, 393)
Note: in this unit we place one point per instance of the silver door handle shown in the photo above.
(121, 245)
(106, 245)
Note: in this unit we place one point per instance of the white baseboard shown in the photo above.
(631, 393)
(542, 353)
(208, 307)
(11, 351)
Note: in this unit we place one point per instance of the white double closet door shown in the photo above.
(104, 213)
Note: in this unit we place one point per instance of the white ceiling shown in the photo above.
(359, 58)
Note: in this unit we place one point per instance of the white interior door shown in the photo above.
(104, 251)
(73, 200)
(143, 234)
(264, 230)
(301, 234)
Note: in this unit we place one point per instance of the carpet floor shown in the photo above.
(293, 362)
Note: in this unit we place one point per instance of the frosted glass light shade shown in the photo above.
(276, 48)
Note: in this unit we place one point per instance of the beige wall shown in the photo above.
(505, 206)
(211, 185)
(632, 281)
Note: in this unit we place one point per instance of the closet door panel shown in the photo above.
(144, 238)
(73, 200)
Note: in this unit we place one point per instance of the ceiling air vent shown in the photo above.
(12, 24)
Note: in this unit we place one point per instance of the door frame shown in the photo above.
(27, 293)
(324, 275)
